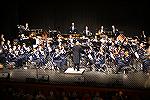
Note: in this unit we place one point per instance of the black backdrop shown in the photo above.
(131, 17)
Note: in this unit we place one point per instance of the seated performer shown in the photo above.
(63, 57)
(100, 59)
(122, 60)
(141, 51)
(113, 29)
(90, 58)
(71, 41)
(8, 44)
(2, 54)
(146, 62)
(57, 59)
(76, 55)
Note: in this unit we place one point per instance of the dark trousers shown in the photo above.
(76, 66)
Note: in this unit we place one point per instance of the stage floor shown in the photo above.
(90, 78)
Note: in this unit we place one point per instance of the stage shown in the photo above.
(89, 78)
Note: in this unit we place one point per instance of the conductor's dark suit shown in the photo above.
(76, 56)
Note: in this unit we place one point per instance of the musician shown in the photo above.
(63, 57)
(146, 62)
(2, 54)
(27, 27)
(122, 59)
(77, 49)
(10, 55)
(134, 44)
(14, 50)
(90, 59)
(112, 49)
(100, 59)
(117, 33)
(57, 59)
(3, 44)
(103, 40)
(141, 51)
(24, 48)
(2, 38)
(142, 37)
(16, 57)
(38, 56)
(59, 39)
(22, 37)
(4, 48)
(42, 57)
(8, 44)
(113, 29)
(102, 30)
(17, 50)
(73, 29)
(34, 55)
(119, 62)
(89, 43)
(126, 44)
(86, 32)
(95, 39)
(71, 41)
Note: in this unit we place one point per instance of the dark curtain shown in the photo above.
(126, 16)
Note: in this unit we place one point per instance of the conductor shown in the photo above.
(76, 50)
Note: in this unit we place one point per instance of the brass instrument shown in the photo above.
(65, 36)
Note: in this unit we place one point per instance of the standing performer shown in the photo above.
(2, 38)
(76, 55)
(142, 37)
(86, 32)
(73, 29)
(102, 30)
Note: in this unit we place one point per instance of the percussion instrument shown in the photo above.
(121, 38)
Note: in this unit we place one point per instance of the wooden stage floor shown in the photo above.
(89, 78)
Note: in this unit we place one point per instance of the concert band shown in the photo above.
(100, 51)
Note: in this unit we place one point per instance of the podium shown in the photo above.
(74, 72)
